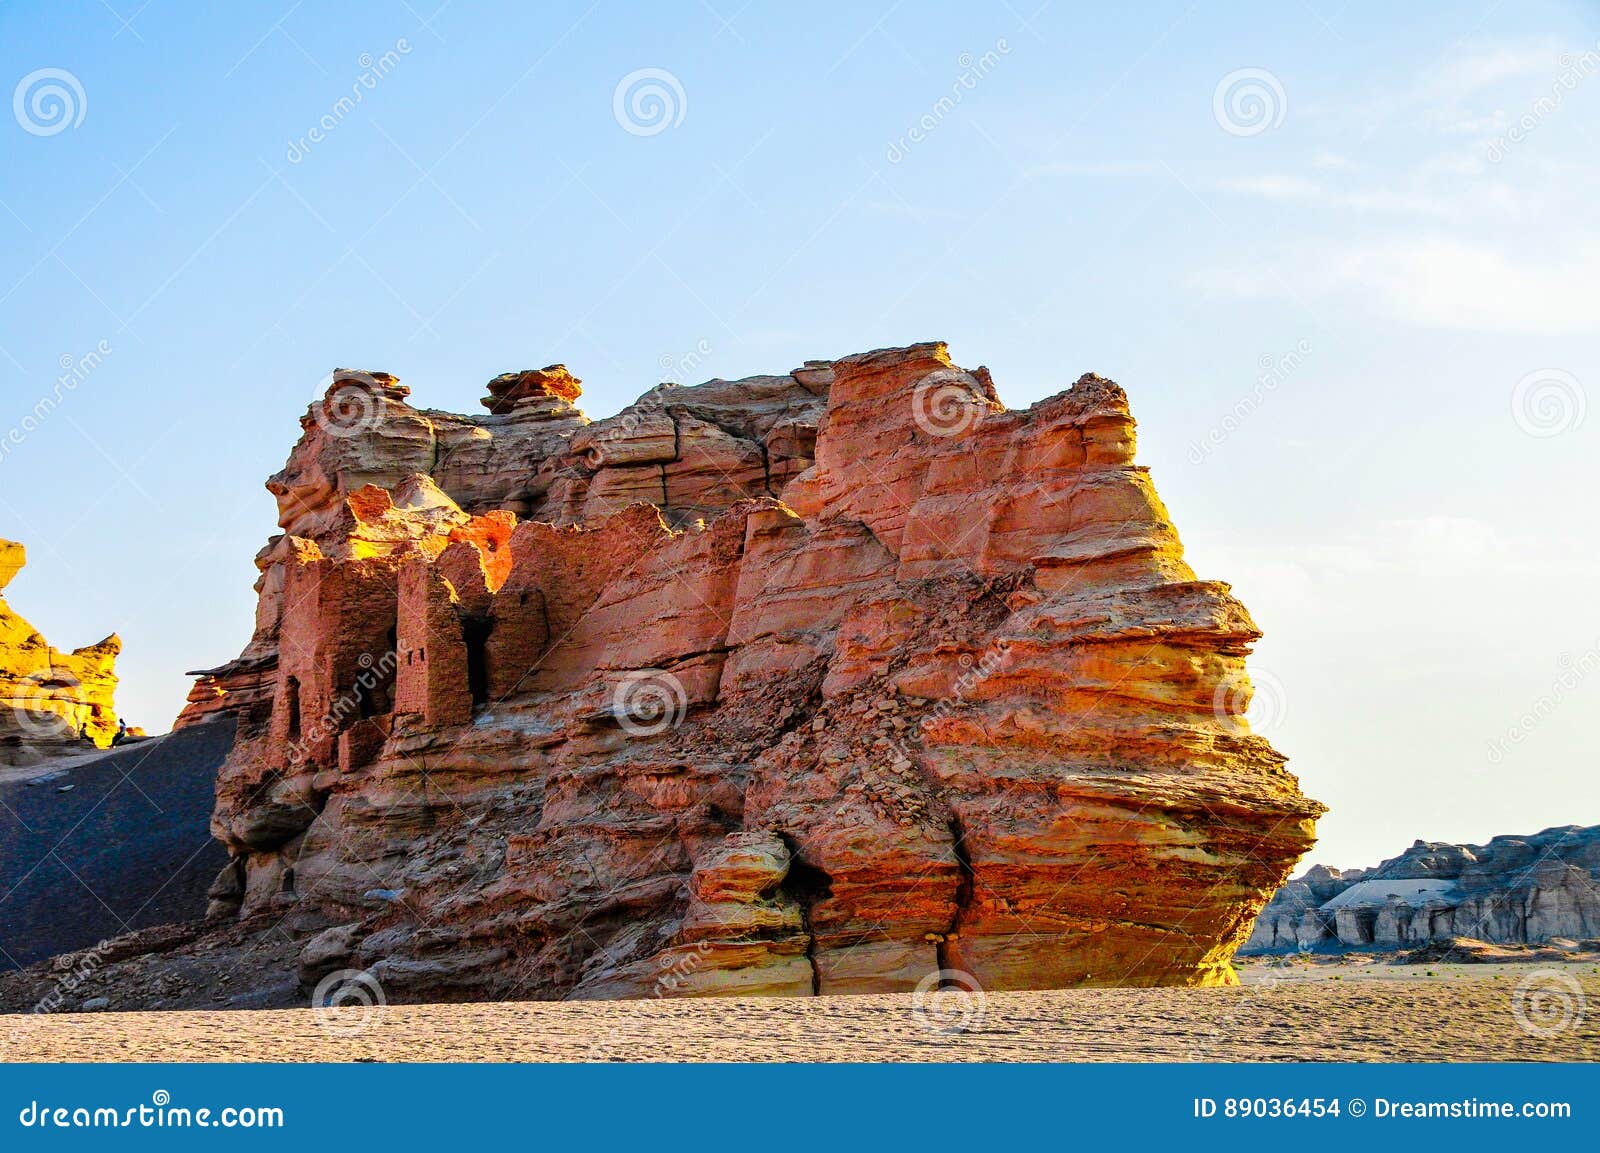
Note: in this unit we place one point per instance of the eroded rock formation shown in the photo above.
(813, 683)
(51, 701)
(1514, 890)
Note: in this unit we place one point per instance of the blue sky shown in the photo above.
(1395, 214)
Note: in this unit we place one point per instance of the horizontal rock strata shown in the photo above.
(816, 683)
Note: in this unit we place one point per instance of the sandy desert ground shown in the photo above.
(1328, 1012)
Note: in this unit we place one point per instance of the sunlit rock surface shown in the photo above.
(814, 683)
(52, 701)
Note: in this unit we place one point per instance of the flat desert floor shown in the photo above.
(1321, 1012)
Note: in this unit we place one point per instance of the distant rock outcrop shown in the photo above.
(1522, 890)
(51, 701)
(836, 681)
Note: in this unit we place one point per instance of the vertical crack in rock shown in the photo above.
(806, 885)
(433, 446)
(964, 890)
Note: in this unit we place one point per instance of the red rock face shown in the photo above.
(819, 683)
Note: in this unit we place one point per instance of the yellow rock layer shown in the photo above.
(50, 699)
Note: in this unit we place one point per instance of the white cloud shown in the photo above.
(1095, 168)
(914, 211)
(1466, 550)
(1253, 283)
(1465, 269)
(1439, 282)
(1437, 539)
(1462, 94)
(1451, 283)
(1454, 182)
(1428, 544)
(1290, 187)
(1469, 73)
(1275, 186)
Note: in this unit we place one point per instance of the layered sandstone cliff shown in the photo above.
(51, 701)
(815, 683)
(1514, 890)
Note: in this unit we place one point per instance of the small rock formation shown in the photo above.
(812, 683)
(51, 702)
(511, 389)
(1514, 890)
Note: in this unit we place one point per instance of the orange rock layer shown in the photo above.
(820, 683)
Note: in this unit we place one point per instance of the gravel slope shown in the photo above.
(127, 845)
